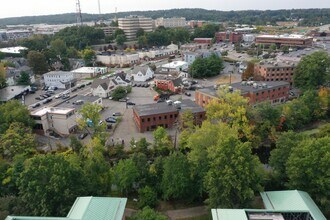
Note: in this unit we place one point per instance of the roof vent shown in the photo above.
(255, 85)
(169, 102)
(177, 104)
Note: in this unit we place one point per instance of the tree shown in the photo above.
(187, 127)
(120, 92)
(308, 169)
(18, 139)
(118, 32)
(176, 182)
(206, 67)
(279, 156)
(312, 71)
(37, 61)
(141, 161)
(24, 79)
(142, 41)
(89, 56)
(162, 141)
(90, 118)
(35, 42)
(147, 197)
(234, 174)
(139, 32)
(121, 39)
(148, 214)
(72, 52)
(58, 45)
(3, 82)
(249, 72)
(14, 111)
(49, 185)
(125, 175)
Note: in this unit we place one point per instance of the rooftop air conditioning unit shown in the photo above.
(177, 104)
(255, 85)
(169, 102)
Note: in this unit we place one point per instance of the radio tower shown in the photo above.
(78, 13)
(99, 7)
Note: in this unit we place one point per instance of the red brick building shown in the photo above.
(148, 117)
(285, 40)
(203, 40)
(275, 92)
(232, 37)
(174, 85)
(276, 71)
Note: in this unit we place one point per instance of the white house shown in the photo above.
(102, 87)
(60, 79)
(89, 72)
(142, 74)
(122, 79)
(175, 66)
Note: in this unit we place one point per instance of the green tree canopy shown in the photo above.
(49, 185)
(147, 197)
(312, 71)
(162, 141)
(89, 56)
(3, 82)
(121, 39)
(90, 118)
(148, 214)
(58, 45)
(24, 79)
(206, 67)
(125, 175)
(37, 61)
(140, 32)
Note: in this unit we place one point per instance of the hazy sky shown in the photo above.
(15, 8)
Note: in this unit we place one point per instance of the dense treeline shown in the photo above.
(310, 17)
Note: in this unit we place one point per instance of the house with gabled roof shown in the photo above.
(141, 73)
(102, 87)
(88, 208)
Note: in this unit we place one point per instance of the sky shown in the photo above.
(17, 8)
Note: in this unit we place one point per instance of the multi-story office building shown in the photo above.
(232, 37)
(131, 24)
(293, 40)
(276, 71)
(171, 22)
(275, 92)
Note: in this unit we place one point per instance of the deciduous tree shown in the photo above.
(148, 214)
(37, 61)
(125, 175)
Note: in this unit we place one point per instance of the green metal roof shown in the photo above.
(232, 214)
(291, 200)
(88, 208)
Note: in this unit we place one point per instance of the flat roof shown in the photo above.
(88, 69)
(68, 103)
(55, 110)
(278, 63)
(285, 36)
(174, 64)
(11, 92)
(163, 107)
(14, 50)
(57, 73)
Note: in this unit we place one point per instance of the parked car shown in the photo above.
(122, 100)
(82, 136)
(187, 94)
(116, 114)
(130, 103)
(38, 98)
(111, 120)
(89, 83)
(58, 96)
(35, 105)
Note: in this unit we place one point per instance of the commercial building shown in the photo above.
(232, 37)
(89, 72)
(278, 205)
(275, 92)
(54, 120)
(171, 22)
(108, 30)
(293, 40)
(193, 47)
(276, 71)
(191, 56)
(156, 54)
(12, 92)
(59, 79)
(131, 24)
(200, 40)
(121, 60)
(88, 208)
(249, 38)
(175, 66)
(194, 24)
(165, 114)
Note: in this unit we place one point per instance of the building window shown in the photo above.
(148, 119)
(165, 117)
(142, 120)
(171, 116)
(160, 117)
(175, 115)
(154, 118)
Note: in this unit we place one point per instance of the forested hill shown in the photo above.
(309, 17)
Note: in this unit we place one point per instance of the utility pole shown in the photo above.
(78, 14)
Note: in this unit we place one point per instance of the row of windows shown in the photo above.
(282, 74)
(160, 118)
(283, 93)
(280, 69)
(281, 79)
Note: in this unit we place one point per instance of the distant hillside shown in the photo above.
(310, 17)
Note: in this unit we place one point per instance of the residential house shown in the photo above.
(122, 79)
(102, 87)
(142, 74)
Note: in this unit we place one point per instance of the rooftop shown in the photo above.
(285, 36)
(55, 110)
(14, 50)
(57, 73)
(88, 70)
(278, 63)
(174, 64)
(163, 107)
(278, 204)
(88, 208)
(11, 92)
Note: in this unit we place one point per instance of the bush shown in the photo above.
(121, 92)
(147, 197)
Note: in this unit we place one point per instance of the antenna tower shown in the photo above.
(78, 13)
(99, 7)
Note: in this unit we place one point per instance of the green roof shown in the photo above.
(88, 208)
(289, 201)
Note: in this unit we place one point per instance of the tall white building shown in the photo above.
(131, 24)
(171, 22)
(60, 79)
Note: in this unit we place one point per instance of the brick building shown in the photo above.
(149, 116)
(276, 71)
(173, 84)
(285, 40)
(203, 41)
(276, 92)
(232, 37)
